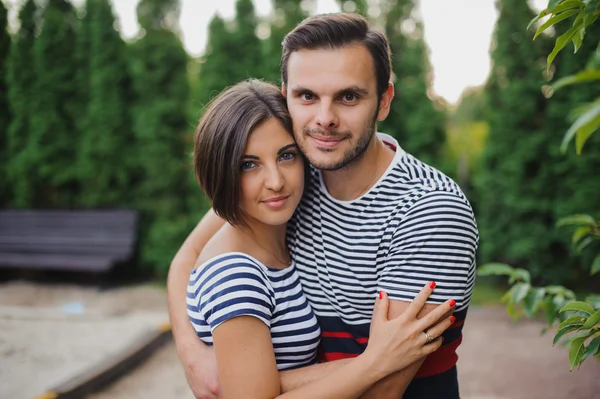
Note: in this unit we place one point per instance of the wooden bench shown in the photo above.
(92, 240)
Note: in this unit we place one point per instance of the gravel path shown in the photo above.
(498, 359)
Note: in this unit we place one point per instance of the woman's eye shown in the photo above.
(287, 156)
(248, 165)
(307, 97)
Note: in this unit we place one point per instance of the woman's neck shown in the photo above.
(268, 240)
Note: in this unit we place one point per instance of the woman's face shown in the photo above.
(272, 175)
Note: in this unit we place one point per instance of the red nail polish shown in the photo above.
(452, 303)
(432, 285)
(380, 294)
(452, 319)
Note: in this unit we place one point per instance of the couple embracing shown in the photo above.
(333, 264)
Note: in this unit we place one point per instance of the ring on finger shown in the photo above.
(428, 336)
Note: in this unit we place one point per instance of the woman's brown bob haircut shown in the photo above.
(334, 31)
(221, 137)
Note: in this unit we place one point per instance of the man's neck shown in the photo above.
(357, 178)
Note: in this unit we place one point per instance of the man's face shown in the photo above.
(332, 97)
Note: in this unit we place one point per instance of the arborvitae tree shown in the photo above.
(217, 70)
(233, 53)
(158, 67)
(247, 60)
(413, 120)
(51, 147)
(107, 141)
(515, 186)
(82, 61)
(287, 14)
(4, 110)
(21, 88)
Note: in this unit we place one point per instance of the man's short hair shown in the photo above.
(334, 31)
(221, 138)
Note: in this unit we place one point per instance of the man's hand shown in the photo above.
(200, 366)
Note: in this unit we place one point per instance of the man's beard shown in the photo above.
(352, 155)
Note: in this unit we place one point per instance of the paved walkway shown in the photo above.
(54, 331)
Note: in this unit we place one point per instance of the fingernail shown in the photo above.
(452, 318)
(432, 285)
(380, 294)
(452, 303)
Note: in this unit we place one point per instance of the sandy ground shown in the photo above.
(498, 359)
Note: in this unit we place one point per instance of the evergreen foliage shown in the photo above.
(516, 185)
(413, 120)
(51, 146)
(107, 142)
(158, 65)
(288, 14)
(5, 43)
(21, 91)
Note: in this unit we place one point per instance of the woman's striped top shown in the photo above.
(236, 284)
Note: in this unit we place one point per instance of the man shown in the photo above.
(373, 217)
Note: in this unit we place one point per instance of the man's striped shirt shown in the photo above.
(235, 284)
(413, 226)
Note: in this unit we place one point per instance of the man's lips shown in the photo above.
(327, 142)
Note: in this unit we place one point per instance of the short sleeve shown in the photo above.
(435, 240)
(232, 286)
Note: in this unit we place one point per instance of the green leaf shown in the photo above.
(533, 300)
(579, 233)
(495, 269)
(589, 117)
(554, 7)
(578, 306)
(519, 292)
(591, 321)
(554, 20)
(588, 75)
(561, 43)
(550, 309)
(565, 330)
(520, 275)
(584, 243)
(573, 320)
(593, 300)
(592, 349)
(537, 18)
(578, 219)
(595, 266)
(576, 352)
(584, 133)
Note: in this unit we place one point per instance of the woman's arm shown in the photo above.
(196, 357)
(247, 367)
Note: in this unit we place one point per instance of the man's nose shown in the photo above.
(326, 118)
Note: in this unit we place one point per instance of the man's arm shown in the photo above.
(196, 357)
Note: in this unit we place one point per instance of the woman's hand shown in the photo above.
(395, 344)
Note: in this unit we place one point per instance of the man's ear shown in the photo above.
(284, 90)
(386, 102)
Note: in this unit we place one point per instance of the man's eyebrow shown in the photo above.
(282, 149)
(352, 89)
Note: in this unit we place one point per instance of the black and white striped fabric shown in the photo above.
(236, 284)
(413, 226)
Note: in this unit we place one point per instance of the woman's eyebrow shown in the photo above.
(249, 156)
(282, 149)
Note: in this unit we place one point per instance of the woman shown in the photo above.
(245, 297)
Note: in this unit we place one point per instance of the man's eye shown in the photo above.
(350, 97)
(287, 156)
(307, 96)
(248, 165)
